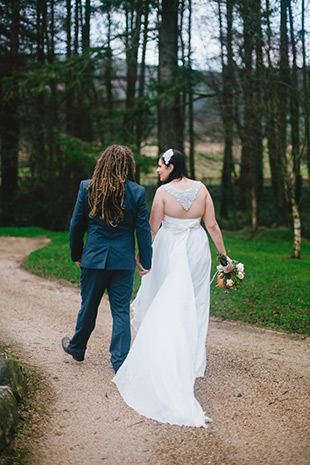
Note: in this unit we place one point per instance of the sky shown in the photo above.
(205, 31)
(205, 44)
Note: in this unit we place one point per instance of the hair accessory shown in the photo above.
(167, 156)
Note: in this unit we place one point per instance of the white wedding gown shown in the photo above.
(171, 313)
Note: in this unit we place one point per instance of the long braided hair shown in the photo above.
(107, 188)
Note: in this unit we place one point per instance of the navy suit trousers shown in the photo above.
(119, 286)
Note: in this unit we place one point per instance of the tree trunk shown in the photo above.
(227, 110)
(290, 195)
(170, 121)
(53, 103)
(69, 93)
(294, 111)
(68, 28)
(305, 90)
(290, 179)
(10, 127)
(109, 66)
(186, 74)
(251, 163)
(76, 26)
(38, 156)
(140, 125)
(45, 33)
(84, 124)
(247, 103)
(139, 129)
(254, 209)
(190, 97)
(284, 79)
(40, 31)
(78, 120)
(51, 35)
(274, 152)
(277, 179)
(133, 21)
(297, 229)
(86, 27)
(257, 163)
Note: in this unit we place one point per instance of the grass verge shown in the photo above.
(276, 289)
(275, 292)
(32, 412)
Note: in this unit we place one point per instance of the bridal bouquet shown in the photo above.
(230, 274)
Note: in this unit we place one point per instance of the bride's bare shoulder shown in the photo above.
(160, 192)
(204, 189)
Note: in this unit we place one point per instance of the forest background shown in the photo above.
(75, 77)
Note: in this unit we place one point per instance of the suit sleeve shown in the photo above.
(78, 226)
(143, 231)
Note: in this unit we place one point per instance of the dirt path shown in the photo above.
(256, 387)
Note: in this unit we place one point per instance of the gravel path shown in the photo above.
(256, 387)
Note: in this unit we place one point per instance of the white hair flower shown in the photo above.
(167, 156)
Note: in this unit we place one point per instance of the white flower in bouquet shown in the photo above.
(240, 268)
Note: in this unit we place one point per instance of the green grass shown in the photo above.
(276, 289)
(24, 232)
(54, 261)
(275, 292)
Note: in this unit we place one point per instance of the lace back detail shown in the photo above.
(187, 197)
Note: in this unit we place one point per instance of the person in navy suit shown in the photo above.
(110, 207)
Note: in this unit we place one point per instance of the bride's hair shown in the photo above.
(178, 162)
(107, 188)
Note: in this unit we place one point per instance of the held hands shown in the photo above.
(78, 262)
(142, 271)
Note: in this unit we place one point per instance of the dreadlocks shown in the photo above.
(107, 188)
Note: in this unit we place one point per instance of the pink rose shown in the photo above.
(240, 267)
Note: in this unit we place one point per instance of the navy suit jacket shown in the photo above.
(108, 247)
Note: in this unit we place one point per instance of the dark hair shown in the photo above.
(178, 162)
(107, 188)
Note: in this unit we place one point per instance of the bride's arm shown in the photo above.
(212, 225)
(157, 212)
(157, 215)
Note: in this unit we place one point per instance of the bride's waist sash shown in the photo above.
(179, 225)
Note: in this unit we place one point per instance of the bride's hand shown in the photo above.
(142, 271)
(230, 264)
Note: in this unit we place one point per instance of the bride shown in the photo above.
(171, 310)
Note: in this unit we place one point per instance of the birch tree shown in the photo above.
(288, 164)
